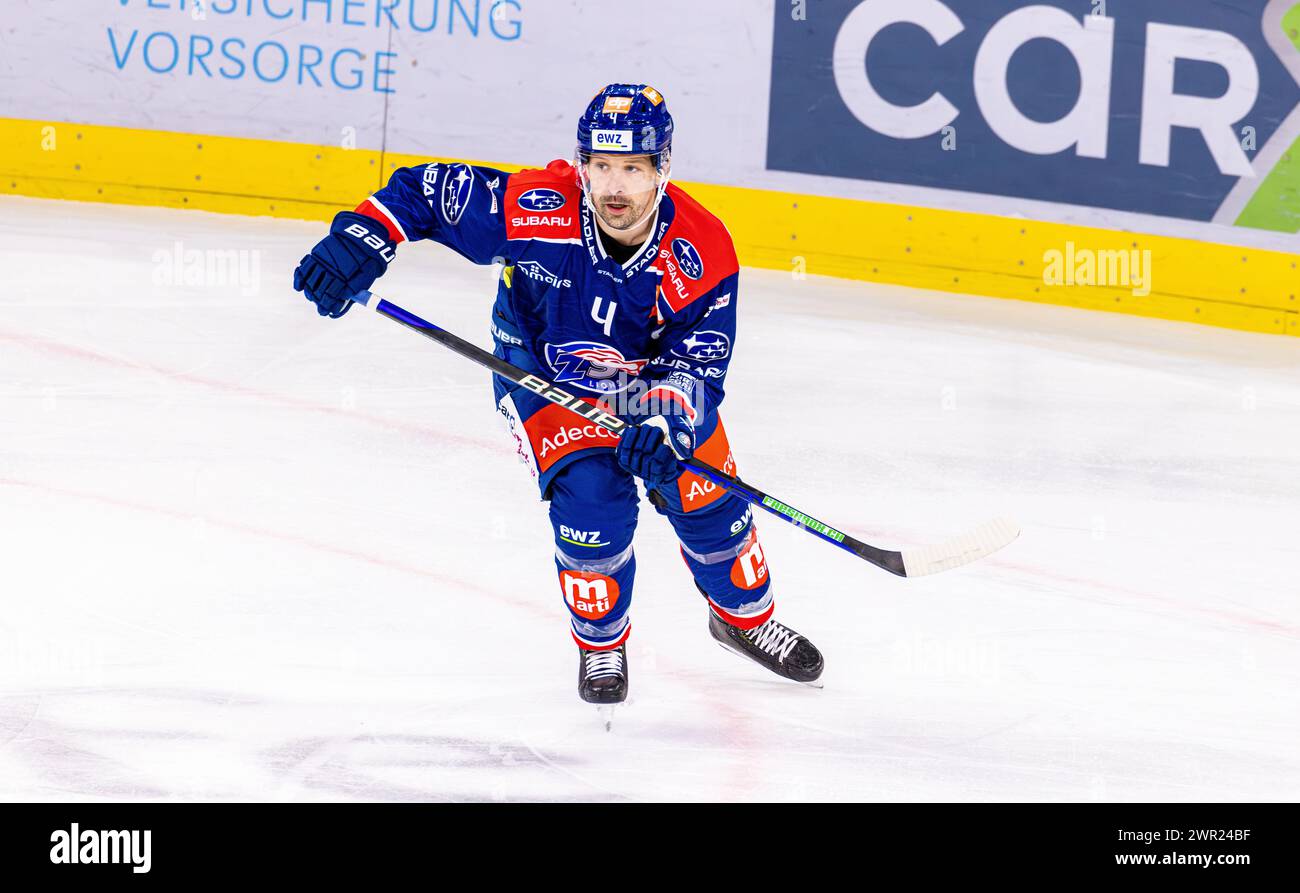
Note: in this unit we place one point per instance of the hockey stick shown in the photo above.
(980, 542)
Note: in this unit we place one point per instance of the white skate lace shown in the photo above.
(775, 639)
(604, 663)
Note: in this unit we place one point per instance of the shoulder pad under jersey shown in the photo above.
(544, 204)
(695, 254)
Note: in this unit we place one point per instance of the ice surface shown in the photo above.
(249, 553)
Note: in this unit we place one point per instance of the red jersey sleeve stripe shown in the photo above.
(664, 393)
(375, 210)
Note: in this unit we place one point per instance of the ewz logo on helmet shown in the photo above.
(611, 140)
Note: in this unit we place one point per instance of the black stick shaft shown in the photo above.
(882, 558)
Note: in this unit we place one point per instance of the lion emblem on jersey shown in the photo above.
(593, 366)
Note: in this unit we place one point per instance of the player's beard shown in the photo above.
(632, 215)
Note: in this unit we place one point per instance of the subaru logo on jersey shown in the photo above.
(457, 184)
(611, 141)
(688, 259)
(1151, 106)
(429, 181)
(541, 200)
(704, 347)
(593, 366)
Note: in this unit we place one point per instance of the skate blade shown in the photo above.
(606, 714)
(816, 683)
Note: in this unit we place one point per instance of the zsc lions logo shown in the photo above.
(541, 200)
(688, 259)
(593, 366)
(457, 184)
(704, 347)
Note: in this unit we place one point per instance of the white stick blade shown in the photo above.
(979, 543)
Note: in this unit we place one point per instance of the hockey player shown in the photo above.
(618, 285)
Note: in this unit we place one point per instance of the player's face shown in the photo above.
(622, 189)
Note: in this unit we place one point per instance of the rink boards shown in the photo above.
(1235, 287)
(1138, 157)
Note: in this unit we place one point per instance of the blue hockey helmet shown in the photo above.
(627, 119)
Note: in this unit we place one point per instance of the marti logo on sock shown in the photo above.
(90, 847)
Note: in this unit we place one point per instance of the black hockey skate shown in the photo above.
(602, 675)
(777, 647)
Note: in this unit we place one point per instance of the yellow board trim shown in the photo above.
(1221, 285)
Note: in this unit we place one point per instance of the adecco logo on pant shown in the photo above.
(1153, 106)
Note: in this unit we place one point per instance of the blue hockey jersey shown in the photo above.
(659, 327)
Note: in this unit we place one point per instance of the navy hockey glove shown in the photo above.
(645, 450)
(347, 261)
